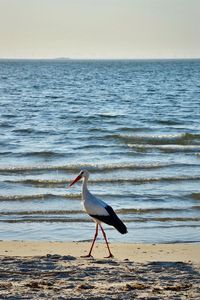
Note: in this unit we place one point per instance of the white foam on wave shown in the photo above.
(79, 166)
(170, 147)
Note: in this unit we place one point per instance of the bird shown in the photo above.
(100, 212)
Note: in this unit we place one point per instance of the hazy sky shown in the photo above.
(99, 28)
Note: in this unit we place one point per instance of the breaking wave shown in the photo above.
(89, 167)
(141, 180)
(160, 139)
(124, 211)
(168, 148)
(44, 196)
(65, 219)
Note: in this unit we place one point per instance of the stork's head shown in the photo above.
(82, 174)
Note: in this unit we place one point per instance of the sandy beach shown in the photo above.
(55, 270)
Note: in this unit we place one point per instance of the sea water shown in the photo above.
(134, 125)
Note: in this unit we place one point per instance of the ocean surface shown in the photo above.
(134, 125)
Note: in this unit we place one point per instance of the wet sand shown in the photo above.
(55, 270)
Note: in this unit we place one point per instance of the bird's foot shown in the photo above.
(87, 256)
(109, 256)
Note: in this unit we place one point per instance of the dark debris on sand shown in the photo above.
(66, 277)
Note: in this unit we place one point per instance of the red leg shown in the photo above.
(95, 236)
(104, 235)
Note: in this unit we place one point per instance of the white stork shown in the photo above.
(99, 211)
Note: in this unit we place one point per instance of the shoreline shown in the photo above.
(186, 252)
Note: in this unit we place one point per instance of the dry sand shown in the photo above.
(55, 270)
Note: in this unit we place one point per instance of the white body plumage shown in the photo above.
(91, 204)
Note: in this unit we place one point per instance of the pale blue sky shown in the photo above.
(100, 28)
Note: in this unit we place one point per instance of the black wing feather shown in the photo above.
(112, 219)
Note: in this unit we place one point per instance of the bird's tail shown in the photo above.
(116, 222)
(120, 226)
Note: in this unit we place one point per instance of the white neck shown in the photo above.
(84, 188)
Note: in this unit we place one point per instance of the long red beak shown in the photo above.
(74, 181)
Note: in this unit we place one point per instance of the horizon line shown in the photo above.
(99, 58)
